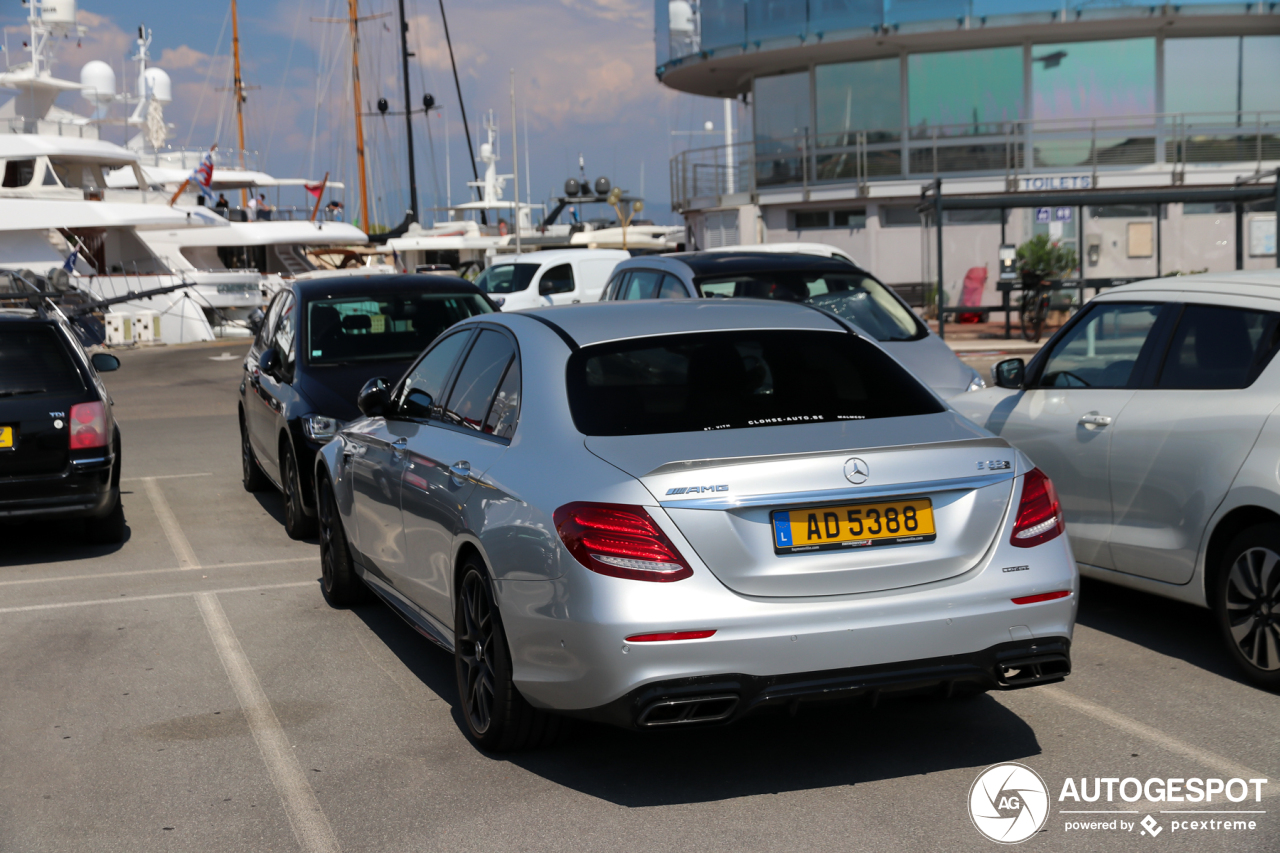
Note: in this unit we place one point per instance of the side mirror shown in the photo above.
(268, 361)
(1010, 373)
(417, 403)
(104, 362)
(546, 287)
(374, 398)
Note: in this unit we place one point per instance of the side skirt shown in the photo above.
(418, 619)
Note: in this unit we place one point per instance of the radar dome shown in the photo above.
(98, 80)
(55, 12)
(602, 186)
(486, 151)
(680, 16)
(155, 82)
(572, 187)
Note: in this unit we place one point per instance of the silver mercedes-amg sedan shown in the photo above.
(674, 513)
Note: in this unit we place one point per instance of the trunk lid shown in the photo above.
(721, 491)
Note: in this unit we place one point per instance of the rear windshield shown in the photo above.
(856, 297)
(34, 362)
(383, 326)
(736, 380)
(506, 278)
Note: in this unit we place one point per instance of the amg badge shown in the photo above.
(693, 490)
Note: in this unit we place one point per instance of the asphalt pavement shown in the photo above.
(190, 690)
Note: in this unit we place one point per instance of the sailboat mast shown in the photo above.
(408, 113)
(238, 89)
(355, 84)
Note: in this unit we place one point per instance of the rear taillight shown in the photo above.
(620, 541)
(89, 426)
(1039, 513)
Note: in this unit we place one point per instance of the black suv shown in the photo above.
(320, 342)
(59, 443)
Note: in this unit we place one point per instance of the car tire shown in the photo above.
(497, 717)
(251, 473)
(1246, 602)
(339, 582)
(297, 523)
(107, 529)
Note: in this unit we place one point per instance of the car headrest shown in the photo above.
(357, 323)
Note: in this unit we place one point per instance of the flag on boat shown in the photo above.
(202, 177)
(315, 189)
(70, 265)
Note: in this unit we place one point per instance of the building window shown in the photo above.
(964, 92)
(858, 96)
(899, 217)
(850, 218)
(781, 109)
(1207, 208)
(1123, 211)
(1211, 75)
(1095, 79)
(972, 217)
(811, 219)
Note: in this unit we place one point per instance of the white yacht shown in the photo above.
(106, 214)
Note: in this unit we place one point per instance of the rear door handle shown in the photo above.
(460, 471)
(1094, 419)
(398, 446)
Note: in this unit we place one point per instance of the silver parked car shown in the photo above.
(1154, 411)
(833, 284)
(673, 513)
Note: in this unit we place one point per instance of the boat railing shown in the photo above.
(49, 127)
(190, 158)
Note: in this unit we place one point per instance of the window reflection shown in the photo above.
(1083, 80)
(964, 92)
(858, 96)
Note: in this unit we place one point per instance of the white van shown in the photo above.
(552, 277)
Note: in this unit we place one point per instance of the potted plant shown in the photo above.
(1040, 259)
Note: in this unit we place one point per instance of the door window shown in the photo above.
(478, 379)
(643, 284)
(1218, 347)
(557, 280)
(273, 317)
(285, 334)
(420, 398)
(672, 288)
(505, 410)
(1101, 350)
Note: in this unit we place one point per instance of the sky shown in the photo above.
(583, 71)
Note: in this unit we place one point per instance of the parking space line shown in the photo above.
(136, 572)
(310, 826)
(165, 477)
(1142, 730)
(177, 539)
(128, 599)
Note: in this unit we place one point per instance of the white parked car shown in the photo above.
(552, 277)
(1155, 413)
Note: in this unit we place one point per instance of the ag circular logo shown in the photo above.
(856, 471)
(1009, 803)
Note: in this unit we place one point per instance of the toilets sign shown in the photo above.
(1056, 182)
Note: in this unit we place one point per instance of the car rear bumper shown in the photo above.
(731, 696)
(87, 489)
(579, 658)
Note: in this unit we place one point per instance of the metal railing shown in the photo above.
(175, 158)
(1016, 150)
(49, 127)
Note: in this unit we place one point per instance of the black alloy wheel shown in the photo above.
(253, 477)
(498, 718)
(338, 580)
(1247, 603)
(296, 521)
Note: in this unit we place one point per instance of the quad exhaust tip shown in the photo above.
(696, 709)
(1035, 670)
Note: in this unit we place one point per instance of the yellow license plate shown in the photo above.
(830, 528)
(6, 437)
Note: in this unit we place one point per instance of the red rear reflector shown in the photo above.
(1039, 513)
(619, 540)
(1044, 596)
(88, 426)
(670, 635)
